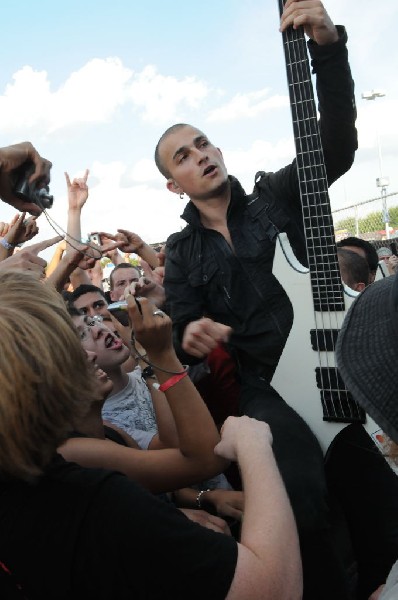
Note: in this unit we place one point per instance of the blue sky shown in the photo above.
(94, 84)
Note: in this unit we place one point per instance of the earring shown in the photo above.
(182, 195)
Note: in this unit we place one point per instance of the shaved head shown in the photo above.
(165, 135)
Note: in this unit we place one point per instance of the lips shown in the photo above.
(209, 170)
(112, 342)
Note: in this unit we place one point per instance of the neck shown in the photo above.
(92, 424)
(213, 210)
(119, 379)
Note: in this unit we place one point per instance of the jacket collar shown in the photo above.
(191, 214)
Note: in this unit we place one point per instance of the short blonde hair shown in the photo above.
(45, 381)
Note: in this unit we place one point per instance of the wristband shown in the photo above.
(170, 382)
(199, 496)
(6, 244)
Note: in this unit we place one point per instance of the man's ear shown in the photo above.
(359, 287)
(173, 186)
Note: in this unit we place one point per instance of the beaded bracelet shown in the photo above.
(199, 496)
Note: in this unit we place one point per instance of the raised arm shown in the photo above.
(269, 565)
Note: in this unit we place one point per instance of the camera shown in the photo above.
(29, 192)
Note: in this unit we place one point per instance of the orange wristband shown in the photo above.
(170, 382)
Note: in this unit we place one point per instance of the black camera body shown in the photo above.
(29, 192)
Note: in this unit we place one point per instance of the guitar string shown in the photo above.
(309, 122)
(304, 145)
(326, 254)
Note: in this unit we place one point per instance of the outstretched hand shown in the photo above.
(12, 157)
(77, 191)
(151, 329)
(21, 230)
(27, 259)
(312, 16)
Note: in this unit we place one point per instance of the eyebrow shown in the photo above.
(183, 149)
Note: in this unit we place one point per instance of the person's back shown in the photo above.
(76, 533)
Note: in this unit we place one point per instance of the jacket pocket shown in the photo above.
(203, 273)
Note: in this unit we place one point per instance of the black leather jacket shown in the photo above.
(205, 278)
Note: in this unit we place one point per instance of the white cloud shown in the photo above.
(160, 97)
(89, 95)
(143, 171)
(260, 156)
(248, 105)
(92, 94)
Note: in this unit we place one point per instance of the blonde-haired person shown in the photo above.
(35, 361)
(69, 532)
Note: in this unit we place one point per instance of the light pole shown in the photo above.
(382, 181)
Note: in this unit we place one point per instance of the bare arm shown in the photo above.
(269, 565)
(77, 259)
(133, 243)
(196, 429)
(167, 436)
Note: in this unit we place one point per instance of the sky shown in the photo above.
(94, 85)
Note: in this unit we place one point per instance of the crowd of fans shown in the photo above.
(124, 471)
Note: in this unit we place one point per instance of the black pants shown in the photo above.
(300, 461)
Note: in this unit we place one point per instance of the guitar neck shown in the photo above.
(327, 290)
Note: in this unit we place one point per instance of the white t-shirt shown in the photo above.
(131, 409)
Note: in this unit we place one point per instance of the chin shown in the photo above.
(219, 189)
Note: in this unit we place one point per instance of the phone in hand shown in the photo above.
(94, 238)
(119, 311)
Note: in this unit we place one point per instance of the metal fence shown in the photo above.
(374, 220)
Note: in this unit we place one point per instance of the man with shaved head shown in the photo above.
(219, 282)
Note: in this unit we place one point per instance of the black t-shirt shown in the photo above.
(90, 533)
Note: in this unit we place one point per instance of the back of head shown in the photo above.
(367, 353)
(354, 269)
(368, 249)
(44, 378)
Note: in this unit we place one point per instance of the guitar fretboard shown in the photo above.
(327, 290)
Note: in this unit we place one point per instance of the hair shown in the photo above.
(84, 288)
(166, 134)
(45, 381)
(355, 267)
(368, 248)
(122, 266)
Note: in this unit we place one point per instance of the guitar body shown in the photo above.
(296, 375)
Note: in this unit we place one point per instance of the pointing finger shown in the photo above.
(40, 246)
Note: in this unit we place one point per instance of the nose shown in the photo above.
(201, 155)
(91, 356)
